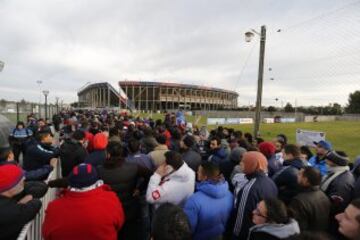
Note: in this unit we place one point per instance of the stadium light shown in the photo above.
(248, 37)
(46, 93)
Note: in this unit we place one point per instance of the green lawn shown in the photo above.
(344, 136)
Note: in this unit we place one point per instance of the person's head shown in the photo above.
(44, 137)
(187, 142)
(336, 158)
(100, 141)
(6, 154)
(248, 137)
(114, 155)
(41, 123)
(170, 223)
(161, 139)
(173, 159)
(305, 153)
(291, 151)
(270, 210)
(79, 136)
(322, 147)
(215, 143)
(279, 145)
(309, 177)
(236, 154)
(20, 125)
(11, 180)
(349, 220)
(282, 138)
(267, 148)
(82, 176)
(134, 145)
(208, 171)
(252, 162)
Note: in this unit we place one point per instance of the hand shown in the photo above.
(53, 162)
(25, 199)
(162, 170)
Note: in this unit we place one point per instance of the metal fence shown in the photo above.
(32, 230)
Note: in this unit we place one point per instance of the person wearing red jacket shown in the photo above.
(87, 209)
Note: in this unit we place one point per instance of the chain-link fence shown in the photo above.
(18, 111)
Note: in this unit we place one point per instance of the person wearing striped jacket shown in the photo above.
(258, 187)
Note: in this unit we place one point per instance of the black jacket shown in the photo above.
(123, 180)
(72, 153)
(311, 208)
(96, 158)
(192, 159)
(14, 216)
(38, 155)
(286, 179)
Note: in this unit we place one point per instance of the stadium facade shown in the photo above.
(157, 96)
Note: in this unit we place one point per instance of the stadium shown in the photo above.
(157, 96)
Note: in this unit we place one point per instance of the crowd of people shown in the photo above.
(127, 177)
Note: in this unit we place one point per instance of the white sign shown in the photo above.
(287, 120)
(305, 137)
(216, 121)
(246, 120)
(269, 120)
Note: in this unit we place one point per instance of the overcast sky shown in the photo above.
(314, 59)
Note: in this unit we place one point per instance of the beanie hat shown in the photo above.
(254, 161)
(237, 154)
(10, 176)
(337, 159)
(189, 141)
(83, 175)
(100, 141)
(267, 148)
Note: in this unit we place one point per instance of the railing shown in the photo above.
(32, 230)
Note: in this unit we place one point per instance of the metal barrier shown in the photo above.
(32, 230)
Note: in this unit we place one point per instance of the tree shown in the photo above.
(271, 109)
(354, 103)
(289, 108)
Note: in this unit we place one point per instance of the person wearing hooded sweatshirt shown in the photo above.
(87, 209)
(209, 208)
(356, 173)
(227, 167)
(286, 179)
(338, 184)
(260, 186)
(189, 155)
(272, 221)
(98, 156)
(268, 149)
(217, 152)
(158, 155)
(172, 182)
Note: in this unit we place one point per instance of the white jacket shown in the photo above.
(175, 188)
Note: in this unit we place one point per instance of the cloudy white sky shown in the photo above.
(314, 59)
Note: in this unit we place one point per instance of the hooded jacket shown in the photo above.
(174, 188)
(208, 209)
(218, 156)
(274, 231)
(318, 163)
(95, 214)
(356, 172)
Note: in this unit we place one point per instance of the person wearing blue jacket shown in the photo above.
(318, 161)
(217, 152)
(209, 208)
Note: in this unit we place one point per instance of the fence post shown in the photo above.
(17, 112)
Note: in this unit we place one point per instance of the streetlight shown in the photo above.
(46, 93)
(248, 37)
(2, 64)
